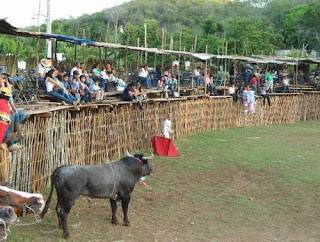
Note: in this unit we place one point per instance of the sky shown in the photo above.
(23, 13)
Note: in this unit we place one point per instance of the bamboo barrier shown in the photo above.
(93, 136)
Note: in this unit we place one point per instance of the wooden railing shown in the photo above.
(92, 136)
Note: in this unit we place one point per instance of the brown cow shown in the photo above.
(22, 202)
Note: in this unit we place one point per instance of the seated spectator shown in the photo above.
(75, 68)
(140, 94)
(211, 88)
(112, 77)
(97, 90)
(53, 88)
(129, 92)
(232, 92)
(172, 85)
(87, 98)
(95, 71)
(144, 76)
(249, 100)
(75, 90)
(161, 85)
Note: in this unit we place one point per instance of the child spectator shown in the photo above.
(74, 89)
(97, 90)
(161, 85)
(87, 98)
(167, 127)
(172, 85)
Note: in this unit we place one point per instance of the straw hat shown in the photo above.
(47, 63)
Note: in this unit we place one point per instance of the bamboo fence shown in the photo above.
(93, 136)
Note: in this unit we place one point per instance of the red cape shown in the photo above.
(164, 147)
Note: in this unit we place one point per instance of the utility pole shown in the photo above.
(49, 43)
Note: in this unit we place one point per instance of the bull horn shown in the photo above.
(148, 157)
(128, 154)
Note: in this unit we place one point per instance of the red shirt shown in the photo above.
(253, 81)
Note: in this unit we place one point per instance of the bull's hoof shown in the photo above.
(127, 223)
(114, 221)
(67, 236)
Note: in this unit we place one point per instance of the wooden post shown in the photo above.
(179, 74)
(225, 69)
(145, 44)
(162, 48)
(296, 79)
(100, 55)
(138, 55)
(84, 55)
(192, 68)
(206, 72)
(126, 60)
(75, 52)
(37, 59)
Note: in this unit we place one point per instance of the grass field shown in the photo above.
(238, 184)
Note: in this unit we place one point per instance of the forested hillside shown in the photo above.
(249, 26)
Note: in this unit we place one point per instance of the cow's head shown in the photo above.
(146, 165)
(22, 202)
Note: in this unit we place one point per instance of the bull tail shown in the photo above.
(49, 199)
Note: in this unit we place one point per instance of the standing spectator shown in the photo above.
(286, 82)
(265, 96)
(231, 73)
(144, 76)
(269, 81)
(248, 75)
(198, 76)
(253, 83)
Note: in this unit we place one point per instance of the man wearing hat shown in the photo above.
(43, 67)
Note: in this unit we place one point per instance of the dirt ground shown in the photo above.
(210, 199)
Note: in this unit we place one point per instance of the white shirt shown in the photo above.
(196, 72)
(285, 81)
(144, 73)
(232, 90)
(72, 70)
(167, 128)
(49, 85)
(41, 70)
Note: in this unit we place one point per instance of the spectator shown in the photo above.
(97, 90)
(232, 92)
(286, 82)
(161, 85)
(53, 88)
(172, 85)
(111, 76)
(211, 86)
(198, 76)
(75, 90)
(140, 95)
(95, 71)
(254, 83)
(265, 96)
(249, 100)
(75, 68)
(144, 76)
(269, 81)
(87, 98)
(129, 93)
(248, 75)
(43, 67)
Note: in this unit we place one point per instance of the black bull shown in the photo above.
(115, 181)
